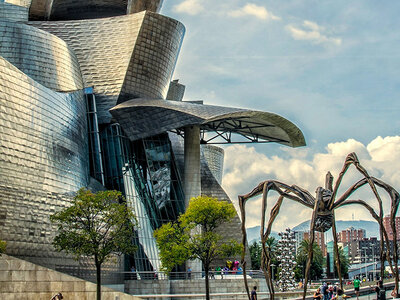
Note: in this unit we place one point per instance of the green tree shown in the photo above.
(255, 255)
(194, 236)
(97, 225)
(2, 247)
(344, 263)
(301, 259)
(271, 245)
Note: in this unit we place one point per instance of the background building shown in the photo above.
(351, 234)
(388, 227)
(319, 239)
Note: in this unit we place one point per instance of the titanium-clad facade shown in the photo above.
(58, 82)
(42, 56)
(15, 13)
(43, 160)
(214, 156)
(83, 88)
(124, 57)
(57, 10)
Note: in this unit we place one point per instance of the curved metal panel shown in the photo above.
(214, 156)
(154, 58)
(122, 57)
(144, 117)
(87, 9)
(140, 5)
(13, 12)
(43, 157)
(39, 9)
(42, 56)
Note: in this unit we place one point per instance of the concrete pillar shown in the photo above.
(192, 181)
(192, 176)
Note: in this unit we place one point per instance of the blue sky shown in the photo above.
(331, 67)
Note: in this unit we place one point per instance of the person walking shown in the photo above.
(340, 295)
(325, 291)
(380, 291)
(254, 293)
(356, 283)
(57, 296)
(317, 294)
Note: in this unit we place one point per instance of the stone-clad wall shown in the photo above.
(194, 286)
(20, 279)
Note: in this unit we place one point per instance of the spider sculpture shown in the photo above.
(323, 217)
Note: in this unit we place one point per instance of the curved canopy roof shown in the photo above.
(142, 118)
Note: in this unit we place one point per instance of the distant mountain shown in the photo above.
(253, 234)
(371, 229)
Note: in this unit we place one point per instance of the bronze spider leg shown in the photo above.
(266, 255)
(395, 199)
(350, 159)
(383, 235)
(310, 247)
(284, 190)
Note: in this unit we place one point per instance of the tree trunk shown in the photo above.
(98, 279)
(207, 282)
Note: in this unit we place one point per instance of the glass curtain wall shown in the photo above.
(95, 161)
(145, 172)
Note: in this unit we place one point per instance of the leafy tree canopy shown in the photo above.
(316, 269)
(96, 224)
(344, 262)
(194, 235)
(255, 253)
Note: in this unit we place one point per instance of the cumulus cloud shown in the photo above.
(191, 7)
(250, 9)
(245, 168)
(311, 31)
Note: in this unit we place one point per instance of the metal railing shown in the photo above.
(159, 275)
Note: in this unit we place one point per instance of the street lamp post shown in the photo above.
(365, 261)
(373, 259)
(360, 262)
(272, 267)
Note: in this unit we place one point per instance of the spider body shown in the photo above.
(324, 217)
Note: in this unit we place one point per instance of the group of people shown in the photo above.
(230, 268)
(328, 292)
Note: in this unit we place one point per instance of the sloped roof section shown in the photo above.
(142, 118)
(57, 10)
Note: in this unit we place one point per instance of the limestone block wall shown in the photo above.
(194, 286)
(20, 279)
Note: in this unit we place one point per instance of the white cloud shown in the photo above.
(245, 168)
(250, 9)
(311, 31)
(191, 7)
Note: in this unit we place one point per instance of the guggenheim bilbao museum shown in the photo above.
(86, 100)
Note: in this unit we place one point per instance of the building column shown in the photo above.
(192, 182)
(192, 175)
